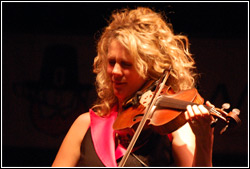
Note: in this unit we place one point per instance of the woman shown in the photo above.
(136, 47)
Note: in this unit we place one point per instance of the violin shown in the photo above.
(156, 107)
(168, 115)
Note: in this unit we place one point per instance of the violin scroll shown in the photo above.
(231, 119)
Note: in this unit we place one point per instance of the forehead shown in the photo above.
(116, 49)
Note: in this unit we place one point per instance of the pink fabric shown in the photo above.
(120, 151)
(103, 137)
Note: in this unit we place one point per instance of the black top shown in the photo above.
(156, 152)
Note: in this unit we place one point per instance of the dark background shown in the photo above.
(47, 79)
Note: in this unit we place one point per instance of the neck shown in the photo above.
(120, 102)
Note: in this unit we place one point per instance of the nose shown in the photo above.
(117, 70)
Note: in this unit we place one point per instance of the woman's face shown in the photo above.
(121, 69)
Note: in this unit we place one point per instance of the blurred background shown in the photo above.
(47, 79)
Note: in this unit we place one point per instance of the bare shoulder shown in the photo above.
(82, 122)
(79, 128)
(83, 119)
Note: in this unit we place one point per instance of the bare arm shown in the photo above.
(69, 152)
(193, 142)
(204, 134)
(183, 146)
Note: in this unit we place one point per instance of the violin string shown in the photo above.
(212, 109)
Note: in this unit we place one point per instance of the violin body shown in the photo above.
(163, 120)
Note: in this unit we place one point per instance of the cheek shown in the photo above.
(134, 76)
(137, 81)
(109, 70)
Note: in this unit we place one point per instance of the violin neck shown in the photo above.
(166, 102)
(171, 103)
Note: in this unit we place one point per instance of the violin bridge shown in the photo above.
(146, 98)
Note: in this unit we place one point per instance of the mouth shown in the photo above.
(118, 83)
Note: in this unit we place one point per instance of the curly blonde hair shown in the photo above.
(154, 46)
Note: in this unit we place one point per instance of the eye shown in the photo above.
(126, 64)
(111, 62)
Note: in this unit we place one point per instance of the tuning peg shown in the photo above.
(236, 111)
(224, 129)
(225, 106)
(213, 123)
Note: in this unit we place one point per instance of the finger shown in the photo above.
(195, 115)
(209, 104)
(207, 118)
(186, 115)
(197, 111)
(190, 112)
(203, 110)
(205, 113)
